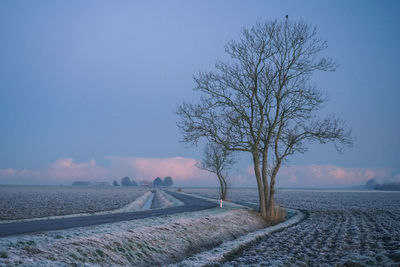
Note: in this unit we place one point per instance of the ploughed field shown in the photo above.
(24, 202)
(341, 228)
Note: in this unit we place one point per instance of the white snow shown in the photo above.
(147, 203)
(151, 241)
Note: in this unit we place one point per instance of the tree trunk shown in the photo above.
(225, 188)
(261, 195)
(222, 192)
(271, 199)
(265, 179)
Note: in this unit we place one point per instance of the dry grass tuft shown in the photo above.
(276, 215)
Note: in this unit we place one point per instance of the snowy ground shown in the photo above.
(340, 228)
(147, 242)
(22, 202)
(353, 227)
(148, 200)
(162, 200)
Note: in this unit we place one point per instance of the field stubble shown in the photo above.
(342, 228)
(25, 202)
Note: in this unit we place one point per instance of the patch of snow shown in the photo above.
(147, 204)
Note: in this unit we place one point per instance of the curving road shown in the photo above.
(17, 228)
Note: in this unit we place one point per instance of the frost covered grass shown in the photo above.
(228, 249)
(278, 215)
(26, 202)
(163, 200)
(153, 241)
(342, 228)
(135, 205)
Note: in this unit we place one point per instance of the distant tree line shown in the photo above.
(373, 184)
(157, 182)
(167, 182)
(388, 186)
(126, 181)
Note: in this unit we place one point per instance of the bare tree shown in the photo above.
(263, 102)
(218, 160)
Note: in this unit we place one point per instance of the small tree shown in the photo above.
(126, 181)
(218, 160)
(115, 183)
(168, 181)
(157, 182)
(263, 102)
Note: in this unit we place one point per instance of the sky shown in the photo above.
(88, 89)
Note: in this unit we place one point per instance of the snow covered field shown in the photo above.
(341, 227)
(23, 202)
(152, 241)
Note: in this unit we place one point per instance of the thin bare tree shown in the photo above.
(263, 101)
(219, 161)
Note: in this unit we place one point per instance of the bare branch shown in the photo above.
(263, 101)
(219, 161)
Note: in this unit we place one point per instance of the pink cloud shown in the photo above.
(184, 172)
(67, 169)
(12, 172)
(250, 170)
(62, 171)
(181, 169)
(327, 175)
(293, 179)
(330, 175)
(8, 171)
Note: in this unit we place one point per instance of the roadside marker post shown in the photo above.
(220, 203)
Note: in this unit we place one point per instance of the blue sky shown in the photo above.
(94, 84)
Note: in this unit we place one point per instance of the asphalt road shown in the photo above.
(17, 228)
